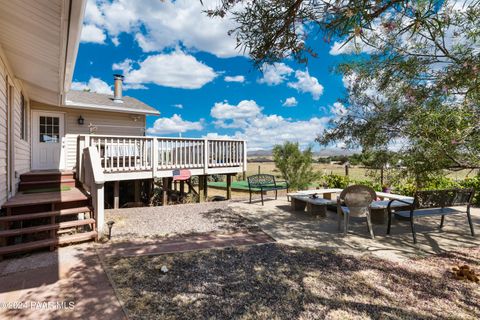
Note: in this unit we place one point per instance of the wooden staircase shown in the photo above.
(32, 220)
(46, 180)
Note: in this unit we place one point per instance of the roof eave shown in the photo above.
(122, 109)
(72, 40)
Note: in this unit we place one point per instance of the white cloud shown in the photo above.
(215, 135)
(338, 109)
(290, 102)
(134, 86)
(176, 70)
(178, 106)
(125, 66)
(307, 84)
(259, 134)
(274, 74)
(93, 34)
(157, 25)
(94, 85)
(263, 131)
(234, 79)
(234, 116)
(175, 124)
(352, 47)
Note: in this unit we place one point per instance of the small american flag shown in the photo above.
(181, 175)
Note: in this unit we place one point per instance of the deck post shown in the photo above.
(205, 187)
(229, 186)
(164, 191)
(182, 187)
(201, 189)
(116, 194)
(245, 155)
(98, 207)
(137, 190)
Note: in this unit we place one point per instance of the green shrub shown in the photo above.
(408, 187)
(372, 184)
(336, 181)
(295, 166)
(475, 184)
(341, 182)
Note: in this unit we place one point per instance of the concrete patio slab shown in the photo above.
(65, 284)
(278, 220)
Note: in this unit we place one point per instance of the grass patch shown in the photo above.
(41, 190)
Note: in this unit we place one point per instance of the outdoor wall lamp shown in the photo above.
(110, 225)
(80, 120)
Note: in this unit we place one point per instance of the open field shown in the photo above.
(355, 172)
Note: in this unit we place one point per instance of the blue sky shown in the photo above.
(184, 64)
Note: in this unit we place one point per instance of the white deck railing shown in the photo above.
(160, 156)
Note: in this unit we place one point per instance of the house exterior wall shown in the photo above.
(21, 146)
(106, 122)
(3, 133)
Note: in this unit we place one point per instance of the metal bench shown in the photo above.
(264, 183)
(434, 203)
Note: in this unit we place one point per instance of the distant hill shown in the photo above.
(322, 153)
(259, 153)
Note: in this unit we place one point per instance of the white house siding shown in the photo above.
(21, 147)
(107, 122)
(3, 134)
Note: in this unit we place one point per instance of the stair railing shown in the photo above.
(93, 181)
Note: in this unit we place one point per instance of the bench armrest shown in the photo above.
(410, 204)
(282, 181)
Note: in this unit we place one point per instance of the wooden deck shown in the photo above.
(21, 199)
(143, 157)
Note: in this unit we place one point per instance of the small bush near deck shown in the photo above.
(296, 166)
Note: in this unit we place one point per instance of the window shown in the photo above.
(23, 118)
(49, 129)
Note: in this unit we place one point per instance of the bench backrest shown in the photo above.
(443, 198)
(261, 180)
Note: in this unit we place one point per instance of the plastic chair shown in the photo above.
(355, 201)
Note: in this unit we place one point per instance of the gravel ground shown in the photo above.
(273, 281)
(175, 220)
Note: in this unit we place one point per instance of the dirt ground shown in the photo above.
(273, 281)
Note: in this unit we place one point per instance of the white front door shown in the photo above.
(48, 139)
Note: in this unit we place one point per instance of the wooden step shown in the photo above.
(46, 175)
(79, 237)
(32, 199)
(47, 227)
(47, 184)
(57, 213)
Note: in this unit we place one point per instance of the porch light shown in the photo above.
(110, 225)
(80, 120)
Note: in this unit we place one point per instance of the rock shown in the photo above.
(164, 269)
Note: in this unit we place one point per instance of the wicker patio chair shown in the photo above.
(355, 201)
